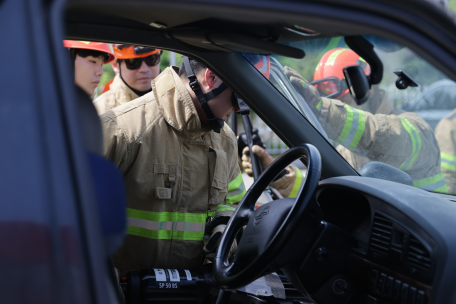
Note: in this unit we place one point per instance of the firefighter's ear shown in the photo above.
(210, 78)
(115, 66)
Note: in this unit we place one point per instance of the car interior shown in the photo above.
(344, 239)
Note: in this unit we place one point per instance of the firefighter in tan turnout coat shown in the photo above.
(180, 166)
(378, 132)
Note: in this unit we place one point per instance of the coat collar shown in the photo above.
(122, 92)
(175, 103)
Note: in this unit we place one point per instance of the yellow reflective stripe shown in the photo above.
(297, 183)
(236, 190)
(319, 105)
(224, 208)
(167, 216)
(353, 130)
(443, 189)
(166, 225)
(448, 161)
(416, 144)
(433, 183)
(333, 57)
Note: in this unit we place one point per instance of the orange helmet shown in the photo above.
(261, 62)
(88, 45)
(329, 75)
(128, 51)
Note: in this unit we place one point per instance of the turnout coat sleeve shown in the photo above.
(236, 187)
(117, 146)
(445, 132)
(400, 139)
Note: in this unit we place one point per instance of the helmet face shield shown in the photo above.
(330, 87)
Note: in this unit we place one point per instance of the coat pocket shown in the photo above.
(219, 186)
(169, 171)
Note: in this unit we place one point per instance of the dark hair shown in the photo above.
(196, 66)
(85, 53)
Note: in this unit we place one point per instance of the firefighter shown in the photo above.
(376, 131)
(88, 58)
(444, 91)
(135, 68)
(180, 164)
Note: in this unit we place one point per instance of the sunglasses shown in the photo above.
(135, 63)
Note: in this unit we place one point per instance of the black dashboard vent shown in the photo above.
(418, 254)
(382, 229)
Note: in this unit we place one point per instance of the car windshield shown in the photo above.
(408, 121)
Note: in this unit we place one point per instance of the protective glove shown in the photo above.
(212, 242)
(303, 87)
(242, 141)
(264, 157)
(283, 183)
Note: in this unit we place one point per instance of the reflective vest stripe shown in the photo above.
(236, 190)
(319, 105)
(297, 183)
(167, 216)
(416, 144)
(448, 161)
(221, 208)
(433, 183)
(355, 124)
(166, 225)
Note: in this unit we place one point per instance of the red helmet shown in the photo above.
(329, 75)
(261, 62)
(88, 45)
(128, 51)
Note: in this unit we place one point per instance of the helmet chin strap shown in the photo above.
(213, 122)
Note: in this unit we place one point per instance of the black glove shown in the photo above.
(242, 141)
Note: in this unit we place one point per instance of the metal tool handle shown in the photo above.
(256, 164)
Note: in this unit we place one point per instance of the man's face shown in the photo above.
(87, 72)
(139, 79)
(221, 106)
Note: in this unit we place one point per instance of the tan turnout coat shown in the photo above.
(176, 174)
(118, 94)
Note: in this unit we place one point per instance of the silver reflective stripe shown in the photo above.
(237, 191)
(353, 128)
(434, 186)
(182, 226)
(444, 160)
(177, 226)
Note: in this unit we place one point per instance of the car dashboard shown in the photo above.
(391, 242)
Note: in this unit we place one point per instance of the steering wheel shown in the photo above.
(268, 228)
